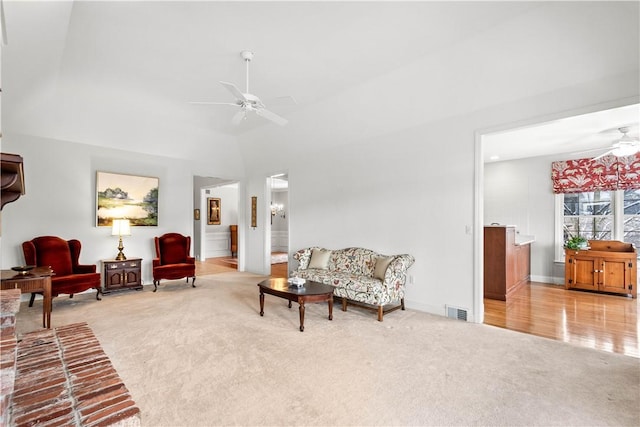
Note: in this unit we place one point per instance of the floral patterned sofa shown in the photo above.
(360, 276)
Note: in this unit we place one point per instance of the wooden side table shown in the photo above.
(36, 280)
(121, 275)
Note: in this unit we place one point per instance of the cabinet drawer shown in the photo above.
(122, 264)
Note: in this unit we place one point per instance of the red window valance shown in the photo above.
(604, 174)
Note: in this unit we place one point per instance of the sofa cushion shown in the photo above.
(357, 261)
(381, 266)
(320, 258)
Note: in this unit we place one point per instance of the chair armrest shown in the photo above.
(84, 269)
(156, 262)
(190, 260)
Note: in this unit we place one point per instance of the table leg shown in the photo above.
(261, 303)
(301, 309)
(47, 304)
(330, 307)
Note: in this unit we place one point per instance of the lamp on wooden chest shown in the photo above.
(120, 227)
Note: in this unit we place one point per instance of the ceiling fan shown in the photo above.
(624, 146)
(247, 101)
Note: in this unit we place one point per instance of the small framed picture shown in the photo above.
(196, 214)
(254, 211)
(213, 217)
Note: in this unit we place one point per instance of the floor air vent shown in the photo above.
(457, 313)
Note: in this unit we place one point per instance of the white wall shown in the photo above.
(60, 197)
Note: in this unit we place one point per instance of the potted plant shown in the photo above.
(576, 242)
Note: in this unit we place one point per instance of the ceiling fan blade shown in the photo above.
(237, 117)
(234, 90)
(212, 103)
(262, 112)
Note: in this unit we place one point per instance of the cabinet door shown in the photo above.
(113, 273)
(582, 272)
(524, 263)
(615, 275)
(132, 275)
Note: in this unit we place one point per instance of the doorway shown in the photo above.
(525, 201)
(215, 212)
(279, 222)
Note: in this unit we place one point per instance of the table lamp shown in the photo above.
(120, 227)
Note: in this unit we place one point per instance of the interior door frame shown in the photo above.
(478, 208)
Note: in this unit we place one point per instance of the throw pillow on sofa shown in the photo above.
(381, 266)
(320, 258)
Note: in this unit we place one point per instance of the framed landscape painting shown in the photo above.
(131, 197)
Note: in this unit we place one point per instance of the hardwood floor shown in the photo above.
(224, 264)
(214, 266)
(599, 321)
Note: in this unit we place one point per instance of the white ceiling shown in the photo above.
(176, 52)
(116, 72)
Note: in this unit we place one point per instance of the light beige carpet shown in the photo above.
(205, 357)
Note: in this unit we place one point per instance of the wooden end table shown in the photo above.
(310, 292)
(36, 280)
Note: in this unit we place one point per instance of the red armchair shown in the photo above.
(69, 277)
(172, 259)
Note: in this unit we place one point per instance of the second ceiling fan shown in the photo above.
(247, 101)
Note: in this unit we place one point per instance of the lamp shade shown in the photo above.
(120, 227)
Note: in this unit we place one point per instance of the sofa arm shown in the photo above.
(396, 275)
(303, 256)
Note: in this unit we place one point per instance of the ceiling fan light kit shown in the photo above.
(247, 101)
(624, 146)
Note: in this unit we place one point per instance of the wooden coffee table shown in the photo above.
(310, 292)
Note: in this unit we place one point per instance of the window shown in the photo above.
(631, 218)
(598, 215)
(589, 215)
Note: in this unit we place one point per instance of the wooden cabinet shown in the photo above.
(507, 265)
(234, 240)
(607, 266)
(523, 263)
(121, 275)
